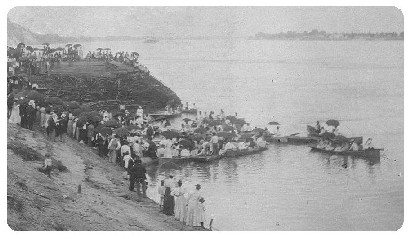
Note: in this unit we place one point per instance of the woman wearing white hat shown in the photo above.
(193, 215)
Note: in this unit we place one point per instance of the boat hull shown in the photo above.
(367, 153)
(211, 158)
(292, 140)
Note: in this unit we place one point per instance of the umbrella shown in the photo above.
(170, 134)
(215, 122)
(122, 132)
(247, 135)
(327, 135)
(118, 113)
(34, 95)
(133, 127)
(20, 45)
(53, 100)
(77, 45)
(76, 112)
(68, 45)
(73, 105)
(200, 130)
(340, 139)
(81, 121)
(186, 120)
(105, 131)
(59, 48)
(111, 123)
(29, 48)
(226, 135)
(333, 122)
(197, 137)
(259, 130)
(107, 49)
(273, 123)
(228, 128)
(187, 144)
(47, 44)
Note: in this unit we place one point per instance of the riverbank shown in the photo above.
(36, 202)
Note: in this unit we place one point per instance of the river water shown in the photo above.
(359, 83)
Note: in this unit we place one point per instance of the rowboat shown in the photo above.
(371, 153)
(162, 116)
(297, 140)
(211, 158)
(190, 111)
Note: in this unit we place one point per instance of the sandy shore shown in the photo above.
(36, 202)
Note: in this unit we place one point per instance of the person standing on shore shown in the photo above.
(180, 202)
(193, 215)
(161, 192)
(169, 202)
(137, 175)
(113, 146)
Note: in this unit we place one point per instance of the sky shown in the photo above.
(203, 21)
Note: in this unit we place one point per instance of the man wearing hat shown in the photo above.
(137, 175)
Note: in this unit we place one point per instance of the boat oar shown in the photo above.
(294, 134)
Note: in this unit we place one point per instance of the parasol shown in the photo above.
(258, 130)
(36, 96)
(111, 123)
(327, 135)
(77, 45)
(187, 144)
(228, 128)
(122, 132)
(105, 131)
(216, 122)
(186, 120)
(200, 130)
(29, 48)
(53, 100)
(226, 135)
(273, 123)
(333, 122)
(47, 44)
(170, 134)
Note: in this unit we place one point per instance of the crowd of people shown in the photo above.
(332, 140)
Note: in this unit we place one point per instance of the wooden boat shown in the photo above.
(211, 158)
(162, 116)
(190, 111)
(364, 153)
(297, 140)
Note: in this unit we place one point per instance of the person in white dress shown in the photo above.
(180, 202)
(15, 114)
(193, 217)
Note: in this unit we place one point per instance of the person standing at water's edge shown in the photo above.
(193, 215)
(180, 202)
(168, 198)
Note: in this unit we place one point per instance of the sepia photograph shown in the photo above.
(205, 118)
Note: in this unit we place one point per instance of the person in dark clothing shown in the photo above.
(30, 117)
(50, 126)
(99, 140)
(23, 115)
(10, 102)
(150, 132)
(137, 175)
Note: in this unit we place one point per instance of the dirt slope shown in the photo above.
(36, 202)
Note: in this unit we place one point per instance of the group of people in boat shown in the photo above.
(351, 145)
(187, 207)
